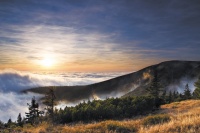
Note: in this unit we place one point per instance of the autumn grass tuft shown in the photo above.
(156, 119)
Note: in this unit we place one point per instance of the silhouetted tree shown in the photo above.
(34, 113)
(9, 123)
(49, 101)
(154, 89)
(155, 86)
(187, 92)
(169, 99)
(19, 120)
(164, 94)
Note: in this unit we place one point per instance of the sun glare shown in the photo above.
(47, 62)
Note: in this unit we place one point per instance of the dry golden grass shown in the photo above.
(184, 118)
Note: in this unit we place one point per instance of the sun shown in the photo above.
(47, 62)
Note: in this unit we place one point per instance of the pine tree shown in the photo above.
(187, 92)
(163, 97)
(34, 113)
(155, 86)
(196, 93)
(9, 123)
(19, 120)
(49, 101)
(170, 97)
(164, 94)
(175, 96)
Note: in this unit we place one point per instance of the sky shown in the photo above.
(97, 35)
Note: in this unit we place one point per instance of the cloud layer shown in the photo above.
(15, 81)
(11, 82)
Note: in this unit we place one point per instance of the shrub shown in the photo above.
(120, 128)
(156, 119)
(28, 125)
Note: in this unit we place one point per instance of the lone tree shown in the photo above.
(49, 101)
(155, 87)
(9, 122)
(187, 92)
(19, 120)
(196, 92)
(34, 113)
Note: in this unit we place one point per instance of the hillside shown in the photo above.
(173, 75)
(177, 117)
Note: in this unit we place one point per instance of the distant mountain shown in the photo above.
(173, 75)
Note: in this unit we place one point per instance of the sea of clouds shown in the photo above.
(12, 82)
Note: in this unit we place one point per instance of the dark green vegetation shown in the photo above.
(112, 108)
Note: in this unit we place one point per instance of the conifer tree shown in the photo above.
(170, 97)
(164, 94)
(49, 101)
(34, 113)
(155, 86)
(196, 93)
(187, 92)
(163, 97)
(9, 121)
(154, 89)
(175, 96)
(19, 120)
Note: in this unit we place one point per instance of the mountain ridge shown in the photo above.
(173, 76)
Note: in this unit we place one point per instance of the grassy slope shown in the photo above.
(185, 118)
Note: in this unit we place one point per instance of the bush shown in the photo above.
(27, 126)
(119, 128)
(156, 119)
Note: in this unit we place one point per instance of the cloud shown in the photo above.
(13, 103)
(124, 33)
(66, 45)
(180, 86)
(15, 81)
(12, 82)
